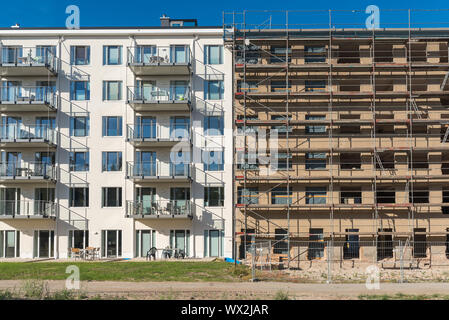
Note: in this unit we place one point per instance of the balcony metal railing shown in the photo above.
(27, 56)
(157, 169)
(156, 55)
(157, 95)
(19, 94)
(27, 208)
(27, 132)
(159, 207)
(28, 170)
(156, 131)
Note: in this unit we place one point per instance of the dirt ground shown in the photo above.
(237, 291)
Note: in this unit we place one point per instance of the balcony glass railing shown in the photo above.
(151, 94)
(27, 169)
(159, 207)
(157, 169)
(19, 94)
(27, 132)
(27, 208)
(27, 56)
(175, 54)
(157, 131)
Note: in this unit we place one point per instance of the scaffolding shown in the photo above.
(372, 101)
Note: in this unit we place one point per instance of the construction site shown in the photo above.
(354, 124)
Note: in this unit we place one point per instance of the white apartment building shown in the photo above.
(105, 139)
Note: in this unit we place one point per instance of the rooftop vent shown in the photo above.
(16, 26)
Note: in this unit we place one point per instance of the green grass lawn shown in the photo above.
(126, 271)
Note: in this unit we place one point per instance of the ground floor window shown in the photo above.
(385, 244)
(111, 243)
(43, 244)
(280, 245)
(419, 243)
(316, 244)
(245, 242)
(9, 244)
(351, 247)
(78, 239)
(213, 243)
(145, 240)
(180, 239)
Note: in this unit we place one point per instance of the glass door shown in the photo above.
(145, 127)
(145, 90)
(43, 243)
(43, 163)
(179, 199)
(178, 90)
(11, 54)
(13, 163)
(146, 163)
(214, 243)
(43, 125)
(44, 199)
(12, 128)
(9, 201)
(45, 90)
(10, 244)
(144, 54)
(145, 198)
(111, 243)
(10, 90)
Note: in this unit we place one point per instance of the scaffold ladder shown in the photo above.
(443, 84)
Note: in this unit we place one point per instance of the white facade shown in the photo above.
(148, 221)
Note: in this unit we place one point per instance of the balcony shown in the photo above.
(159, 61)
(27, 209)
(27, 172)
(157, 135)
(32, 136)
(158, 171)
(31, 99)
(174, 98)
(27, 62)
(159, 209)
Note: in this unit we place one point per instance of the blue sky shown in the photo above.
(51, 13)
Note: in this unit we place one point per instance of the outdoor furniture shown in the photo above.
(75, 253)
(179, 254)
(89, 253)
(151, 253)
(167, 253)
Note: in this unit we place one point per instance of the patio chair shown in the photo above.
(75, 253)
(90, 252)
(151, 253)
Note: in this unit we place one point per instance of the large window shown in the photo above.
(314, 54)
(316, 195)
(213, 160)
(280, 245)
(79, 161)
(213, 54)
(79, 126)
(315, 85)
(280, 55)
(9, 244)
(111, 197)
(112, 55)
(79, 197)
(80, 90)
(79, 55)
(180, 239)
(214, 196)
(284, 161)
(112, 126)
(111, 161)
(281, 195)
(213, 90)
(213, 126)
(248, 195)
(145, 240)
(112, 90)
(213, 243)
(317, 128)
(315, 161)
(111, 243)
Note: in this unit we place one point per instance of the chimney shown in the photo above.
(16, 26)
(165, 21)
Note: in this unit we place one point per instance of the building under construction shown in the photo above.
(362, 151)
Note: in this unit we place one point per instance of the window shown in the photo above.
(248, 195)
(419, 195)
(315, 129)
(280, 195)
(315, 85)
(314, 54)
(111, 243)
(79, 55)
(350, 161)
(385, 195)
(351, 246)
(112, 90)
(283, 128)
(79, 126)
(213, 126)
(78, 239)
(180, 239)
(213, 54)
(179, 127)
(445, 209)
(280, 245)
(213, 243)
(419, 243)
(79, 197)
(248, 161)
(282, 160)
(279, 54)
(179, 54)
(145, 240)
(280, 86)
(111, 161)
(213, 90)
(214, 196)
(350, 195)
(213, 160)
(79, 161)
(112, 55)
(112, 126)
(315, 161)
(9, 244)
(316, 244)
(249, 86)
(315, 195)
(80, 90)
(111, 197)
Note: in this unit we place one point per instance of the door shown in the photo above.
(385, 244)
(178, 90)
(111, 243)
(11, 54)
(43, 243)
(43, 163)
(146, 200)
(44, 199)
(45, 91)
(146, 241)
(145, 127)
(180, 164)
(10, 244)
(145, 53)
(43, 127)
(419, 243)
(245, 242)
(316, 244)
(351, 246)
(179, 127)
(145, 90)
(179, 200)
(13, 163)
(9, 201)
(10, 91)
(12, 128)
(145, 163)
(179, 54)
(214, 243)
